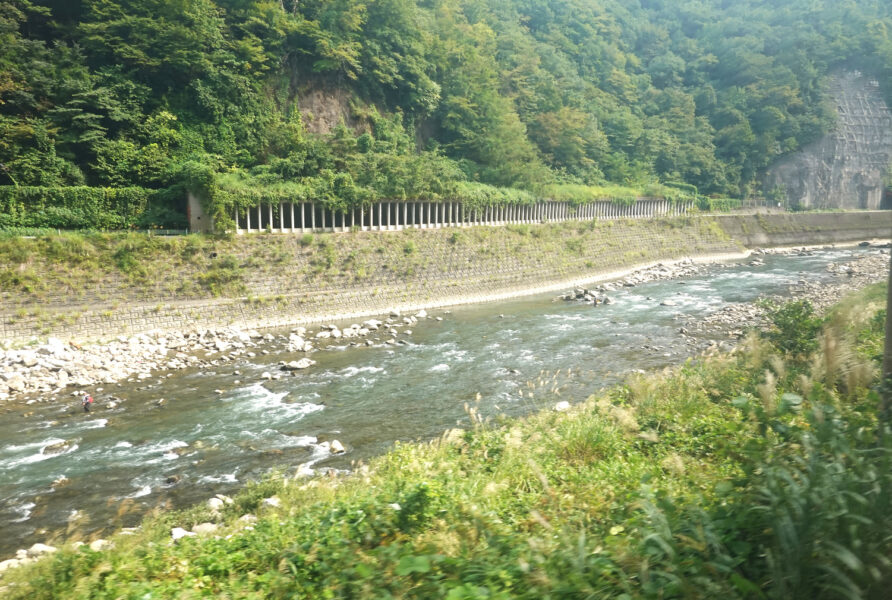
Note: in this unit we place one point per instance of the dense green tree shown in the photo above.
(518, 93)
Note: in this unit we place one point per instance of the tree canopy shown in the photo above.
(513, 93)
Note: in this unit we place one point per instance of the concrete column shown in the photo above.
(281, 217)
(291, 212)
(235, 218)
(380, 211)
(259, 217)
(312, 216)
(248, 219)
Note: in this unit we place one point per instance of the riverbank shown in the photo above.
(57, 368)
(98, 287)
(675, 482)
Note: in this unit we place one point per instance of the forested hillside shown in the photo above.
(436, 97)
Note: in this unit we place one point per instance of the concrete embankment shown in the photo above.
(278, 280)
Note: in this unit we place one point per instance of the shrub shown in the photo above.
(794, 327)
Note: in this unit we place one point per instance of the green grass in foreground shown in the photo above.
(754, 475)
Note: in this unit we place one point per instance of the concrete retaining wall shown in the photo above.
(370, 273)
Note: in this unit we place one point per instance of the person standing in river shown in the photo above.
(87, 401)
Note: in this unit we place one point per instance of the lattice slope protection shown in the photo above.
(844, 169)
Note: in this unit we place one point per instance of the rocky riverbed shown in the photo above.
(718, 330)
(56, 367)
(731, 321)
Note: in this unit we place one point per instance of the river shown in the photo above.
(216, 429)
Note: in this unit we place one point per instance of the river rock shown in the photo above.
(216, 504)
(100, 545)
(272, 501)
(57, 448)
(337, 447)
(39, 550)
(297, 365)
(668, 303)
(204, 528)
(178, 533)
(16, 383)
(11, 563)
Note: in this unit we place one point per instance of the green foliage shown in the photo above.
(211, 96)
(718, 204)
(793, 327)
(71, 207)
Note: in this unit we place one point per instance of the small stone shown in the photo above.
(667, 303)
(562, 406)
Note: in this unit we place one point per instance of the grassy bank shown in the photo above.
(130, 267)
(757, 474)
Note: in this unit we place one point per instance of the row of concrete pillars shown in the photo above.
(303, 217)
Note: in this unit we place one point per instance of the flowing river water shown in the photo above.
(215, 429)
